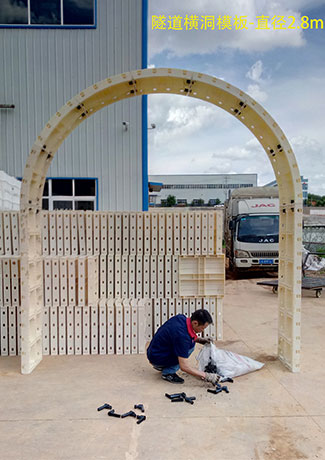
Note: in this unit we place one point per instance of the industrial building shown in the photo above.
(51, 51)
(198, 189)
(304, 183)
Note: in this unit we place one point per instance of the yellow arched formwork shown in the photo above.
(170, 81)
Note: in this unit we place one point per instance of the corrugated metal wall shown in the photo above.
(41, 69)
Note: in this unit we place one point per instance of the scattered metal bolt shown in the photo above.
(178, 397)
(104, 406)
(139, 406)
(140, 418)
(215, 392)
(112, 413)
(129, 414)
(225, 389)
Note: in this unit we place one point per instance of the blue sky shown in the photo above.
(284, 70)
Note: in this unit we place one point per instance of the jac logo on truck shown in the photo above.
(264, 205)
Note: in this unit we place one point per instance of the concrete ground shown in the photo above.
(268, 414)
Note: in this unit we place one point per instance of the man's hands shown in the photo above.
(204, 341)
(212, 378)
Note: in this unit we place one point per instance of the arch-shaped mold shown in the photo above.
(189, 84)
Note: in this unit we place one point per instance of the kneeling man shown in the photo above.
(174, 342)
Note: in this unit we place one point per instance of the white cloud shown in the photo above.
(311, 160)
(256, 93)
(186, 42)
(255, 72)
(195, 137)
(179, 117)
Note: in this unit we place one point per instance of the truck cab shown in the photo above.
(252, 229)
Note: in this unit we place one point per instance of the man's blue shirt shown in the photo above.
(170, 341)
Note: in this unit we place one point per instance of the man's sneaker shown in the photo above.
(158, 368)
(172, 378)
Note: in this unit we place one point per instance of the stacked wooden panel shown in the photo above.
(10, 295)
(111, 279)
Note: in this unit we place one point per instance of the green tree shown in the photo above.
(171, 201)
(315, 200)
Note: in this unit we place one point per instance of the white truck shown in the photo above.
(252, 229)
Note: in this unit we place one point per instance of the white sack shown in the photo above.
(228, 364)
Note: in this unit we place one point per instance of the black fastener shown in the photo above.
(139, 406)
(177, 400)
(177, 395)
(112, 413)
(140, 418)
(129, 414)
(225, 389)
(104, 406)
(228, 379)
(189, 400)
(215, 392)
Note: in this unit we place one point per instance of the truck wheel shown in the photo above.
(318, 293)
(275, 289)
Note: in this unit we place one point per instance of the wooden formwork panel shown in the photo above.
(73, 233)
(63, 266)
(2, 246)
(118, 234)
(96, 234)
(90, 258)
(62, 330)
(201, 276)
(94, 330)
(15, 234)
(72, 286)
(103, 233)
(46, 331)
(102, 330)
(4, 330)
(1, 284)
(70, 331)
(55, 282)
(6, 280)
(52, 234)
(85, 330)
(59, 234)
(7, 237)
(67, 234)
(92, 280)
(15, 281)
(89, 233)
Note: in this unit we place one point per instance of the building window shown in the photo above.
(48, 13)
(204, 186)
(73, 194)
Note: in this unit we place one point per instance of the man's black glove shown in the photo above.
(205, 341)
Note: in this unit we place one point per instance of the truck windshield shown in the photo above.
(258, 229)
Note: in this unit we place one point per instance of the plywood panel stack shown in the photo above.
(9, 283)
(111, 279)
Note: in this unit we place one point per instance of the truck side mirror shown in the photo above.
(231, 225)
